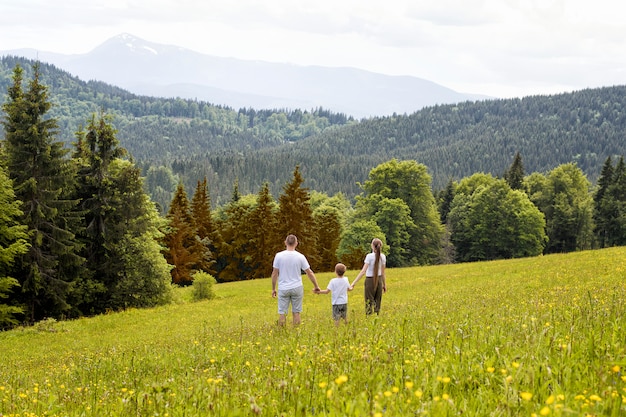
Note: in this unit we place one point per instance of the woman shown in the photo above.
(374, 271)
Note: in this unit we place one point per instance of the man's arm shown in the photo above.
(274, 281)
(311, 275)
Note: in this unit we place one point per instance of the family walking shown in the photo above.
(288, 287)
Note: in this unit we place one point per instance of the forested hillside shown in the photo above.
(454, 141)
(159, 131)
(184, 140)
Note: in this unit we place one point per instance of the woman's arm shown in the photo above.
(361, 273)
(383, 277)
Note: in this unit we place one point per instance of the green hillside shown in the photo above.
(190, 139)
(535, 336)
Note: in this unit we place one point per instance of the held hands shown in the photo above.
(316, 290)
(351, 287)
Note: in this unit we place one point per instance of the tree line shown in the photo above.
(174, 140)
(80, 236)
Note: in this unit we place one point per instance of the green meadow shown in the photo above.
(543, 336)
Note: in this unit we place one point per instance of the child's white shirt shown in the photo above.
(339, 290)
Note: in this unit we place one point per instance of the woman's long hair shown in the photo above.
(376, 245)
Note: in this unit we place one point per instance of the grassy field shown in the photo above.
(542, 336)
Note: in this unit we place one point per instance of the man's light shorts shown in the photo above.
(291, 296)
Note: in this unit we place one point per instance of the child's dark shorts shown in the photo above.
(340, 311)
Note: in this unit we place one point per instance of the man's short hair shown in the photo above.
(291, 240)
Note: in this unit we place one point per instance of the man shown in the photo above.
(287, 273)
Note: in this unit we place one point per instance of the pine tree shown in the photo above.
(42, 178)
(183, 249)
(295, 217)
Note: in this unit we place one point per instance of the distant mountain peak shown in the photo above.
(132, 44)
(154, 69)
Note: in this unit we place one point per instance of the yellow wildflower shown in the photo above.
(526, 396)
(341, 379)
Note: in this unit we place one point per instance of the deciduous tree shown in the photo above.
(409, 182)
(496, 222)
(564, 198)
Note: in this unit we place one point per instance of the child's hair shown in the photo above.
(340, 269)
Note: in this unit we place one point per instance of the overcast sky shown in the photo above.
(501, 48)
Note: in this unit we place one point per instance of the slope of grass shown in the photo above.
(537, 336)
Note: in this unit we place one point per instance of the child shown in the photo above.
(339, 286)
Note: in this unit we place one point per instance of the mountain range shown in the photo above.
(158, 70)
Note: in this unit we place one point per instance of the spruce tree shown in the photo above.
(95, 150)
(327, 220)
(605, 209)
(42, 178)
(295, 217)
(121, 227)
(13, 243)
(208, 235)
(237, 239)
(617, 195)
(183, 249)
(262, 224)
(515, 174)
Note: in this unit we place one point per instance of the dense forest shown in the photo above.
(175, 140)
(80, 235)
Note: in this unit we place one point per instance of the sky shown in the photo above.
(499, 48)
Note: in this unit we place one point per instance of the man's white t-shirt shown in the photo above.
(290, 264)
(339, 290)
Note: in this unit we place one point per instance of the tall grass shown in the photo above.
(542, 336)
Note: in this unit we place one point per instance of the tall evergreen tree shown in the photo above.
(262, 224)
(514, 176)
(295, 217)
(13, 243)
(205, 229)
(238, 232)
(445, 201)
(615, 199)
(121, 227)
(328, 223)
(605, 207)
(42, 178)
(183, 249)
(95, 150)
